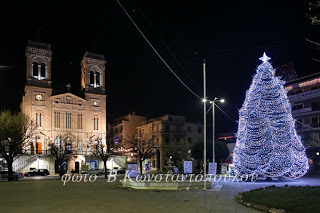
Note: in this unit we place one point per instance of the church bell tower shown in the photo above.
(38, 64)
(93, 84)
(93, 73)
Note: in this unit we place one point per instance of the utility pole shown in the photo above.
(204, 126)
(213, 133)
(213, 126)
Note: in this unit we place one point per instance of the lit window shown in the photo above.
(68, 120)
(79, 121)
(39, 119)
(57, 119)
(95, 124)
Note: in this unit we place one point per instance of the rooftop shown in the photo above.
(39, 45)
(303, 79)
(93, 55)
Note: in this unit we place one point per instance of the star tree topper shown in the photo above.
(264, 58)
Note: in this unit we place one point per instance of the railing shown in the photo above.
(305, 95)
(315, 108)
(25, 163)
(298, 111)
(81, 152)
(315, 125)
(182, 123)
(303, 127)
(94, 56)
(39, 45)
(181, 132)
(119, 162)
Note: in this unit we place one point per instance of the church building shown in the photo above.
(65, 116)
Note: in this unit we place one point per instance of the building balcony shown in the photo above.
(46, 152)
(305, 95)
(303, 128)
(299, 111)
(315, 108)
(81, 152)
(171, 132)
(315, 125)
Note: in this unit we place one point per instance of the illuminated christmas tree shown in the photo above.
(267, 141)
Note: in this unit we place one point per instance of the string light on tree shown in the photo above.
(267, 141)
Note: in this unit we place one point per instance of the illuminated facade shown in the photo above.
(304, 95)
(172, 135)
(75, 117)
(125, 127)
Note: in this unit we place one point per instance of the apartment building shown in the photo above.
(304, 95)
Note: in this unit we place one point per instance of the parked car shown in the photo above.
(95, 171)
(121, 171)
(16, 175)
(38, 172)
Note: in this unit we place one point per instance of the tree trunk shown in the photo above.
(105, 168)
(61, 169)
(10, 170)
(140, 163)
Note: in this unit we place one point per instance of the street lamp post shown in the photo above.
(204, 125)
(213, 126)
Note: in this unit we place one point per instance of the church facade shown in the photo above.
(66, 116)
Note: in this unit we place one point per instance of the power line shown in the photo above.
(313, 42)
(167, 47)
(225, 113)
(142, 34)
(209, 109)
(306, 125)
(156, 50)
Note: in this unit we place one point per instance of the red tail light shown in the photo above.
(22, 174)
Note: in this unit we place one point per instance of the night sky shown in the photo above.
(231, 37)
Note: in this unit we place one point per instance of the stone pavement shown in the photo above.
(99, 196)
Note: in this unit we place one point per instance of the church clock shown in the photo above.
(39, 97)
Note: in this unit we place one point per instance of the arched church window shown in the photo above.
(91, 77)
(98, 78)
(43, 70)
(39, 119)
(35, 69)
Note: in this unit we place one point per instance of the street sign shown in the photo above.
(132, 170)
(147, 166)
(176, 170)
(212, 168)
(187, 167)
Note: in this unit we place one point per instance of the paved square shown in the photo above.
(99, 196)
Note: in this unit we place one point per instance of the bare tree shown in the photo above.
(102, 149)
(17, 131)
(61, 151)
(143, 147)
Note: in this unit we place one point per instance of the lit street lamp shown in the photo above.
(204, 125)
(213, 125)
